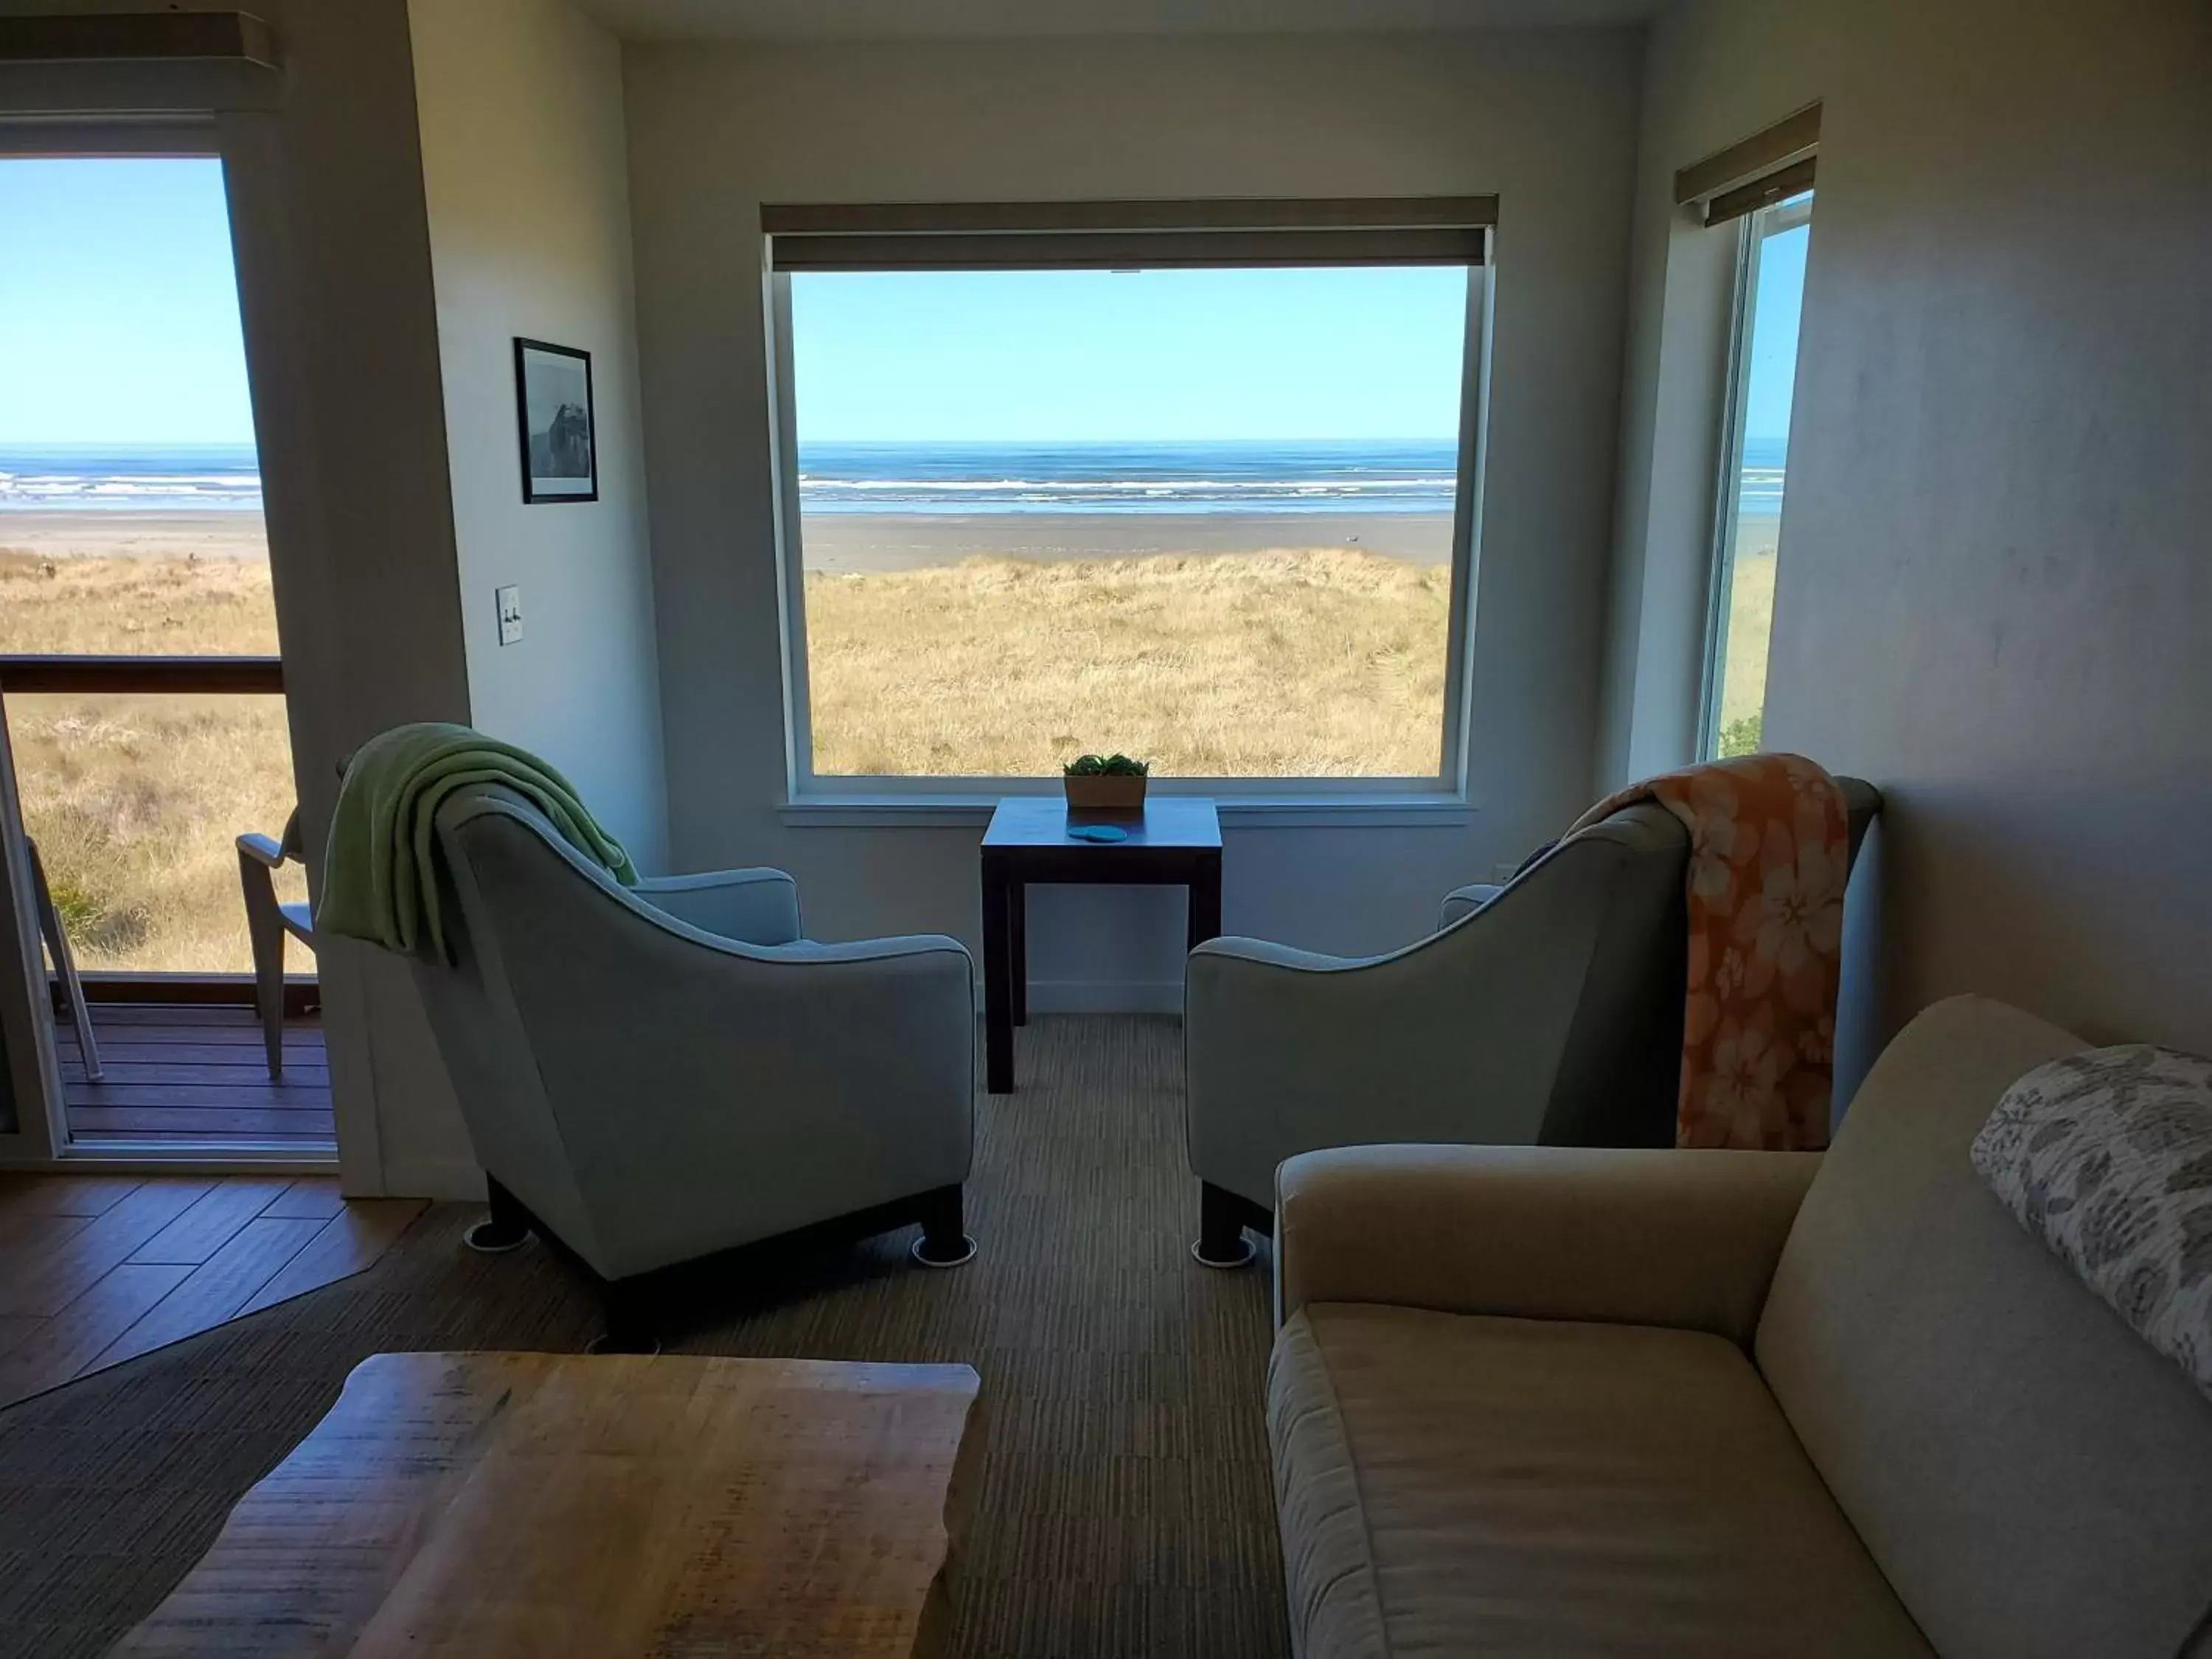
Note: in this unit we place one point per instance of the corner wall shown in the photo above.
(1545, 119)
(1996, 593)
(526, 182)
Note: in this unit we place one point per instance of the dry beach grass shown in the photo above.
(1316, 663)
(1319, 663)
(135, 801)
(1750, 634)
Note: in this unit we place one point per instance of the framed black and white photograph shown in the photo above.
(559, 439)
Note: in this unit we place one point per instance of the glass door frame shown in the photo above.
(27, 1020)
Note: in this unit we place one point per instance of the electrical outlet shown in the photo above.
(510, 613)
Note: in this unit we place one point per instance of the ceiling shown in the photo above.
(915, 20)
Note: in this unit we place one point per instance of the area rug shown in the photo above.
(1124, 1503)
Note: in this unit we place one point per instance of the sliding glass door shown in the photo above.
(140, 671)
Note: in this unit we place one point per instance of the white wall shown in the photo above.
(1996, 593)
(1545, 120)
(334, 278)
(523, 174)
(1674, 376)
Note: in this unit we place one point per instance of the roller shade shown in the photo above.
(1761, 192)
(1128, 235)
(1772, 164)
(137, 37)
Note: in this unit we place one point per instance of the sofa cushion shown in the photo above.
(1463, 1485)
(2033, 1478)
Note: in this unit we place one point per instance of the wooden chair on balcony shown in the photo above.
(267, 922)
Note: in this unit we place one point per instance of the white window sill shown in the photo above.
(1430, 811)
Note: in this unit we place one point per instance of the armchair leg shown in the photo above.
(1222, 1219)
(508, 1227)
(632, 1319)
(943, 1241)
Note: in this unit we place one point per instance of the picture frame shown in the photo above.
(557, 422)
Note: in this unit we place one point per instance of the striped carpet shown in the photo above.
(1123, 1507)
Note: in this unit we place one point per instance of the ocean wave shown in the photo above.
(1146, 486)
(86, 488)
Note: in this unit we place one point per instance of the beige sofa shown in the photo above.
(1557, 1401)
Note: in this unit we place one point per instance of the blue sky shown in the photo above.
(1776, 309)
(118, 324)
(119, 305)
(1086, 356)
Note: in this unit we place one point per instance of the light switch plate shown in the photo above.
(510, 613)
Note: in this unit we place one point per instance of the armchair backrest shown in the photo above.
(1615, 1082)
(1620, 1063)
(476, 1017)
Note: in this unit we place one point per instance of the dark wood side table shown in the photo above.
(1176, 843)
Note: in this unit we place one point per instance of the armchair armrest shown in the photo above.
(1268, 954)
(755, 907)
(895, 948)
(1641, 1236)
(262, 850)
(1285, 1050)
(1465, 901)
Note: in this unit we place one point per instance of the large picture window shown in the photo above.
(1195, 493)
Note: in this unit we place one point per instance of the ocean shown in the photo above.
(1221, 478)
(135, 479)
(1218, 477)
(1759, 485)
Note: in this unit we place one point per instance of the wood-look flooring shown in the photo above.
(96, 1269)
(198, 1075)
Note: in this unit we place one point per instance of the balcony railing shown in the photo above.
(32, 674)
(202, 888)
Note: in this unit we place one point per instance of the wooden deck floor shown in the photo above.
(96, 1269)
(197, 1074)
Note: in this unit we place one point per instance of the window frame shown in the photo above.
(813, 798)
(1728, 487)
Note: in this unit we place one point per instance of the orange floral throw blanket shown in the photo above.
(1770, 852)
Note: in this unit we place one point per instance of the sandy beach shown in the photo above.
(208, 533)
(848, 542)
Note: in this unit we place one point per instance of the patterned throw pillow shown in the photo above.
(2106, 1156)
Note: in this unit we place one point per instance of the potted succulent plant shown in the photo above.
(1105, 783)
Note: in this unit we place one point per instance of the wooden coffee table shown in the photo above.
(511, 1505)
(1174, 842)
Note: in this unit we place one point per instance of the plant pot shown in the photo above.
(1104, 791)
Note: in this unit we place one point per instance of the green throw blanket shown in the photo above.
(379, 883)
